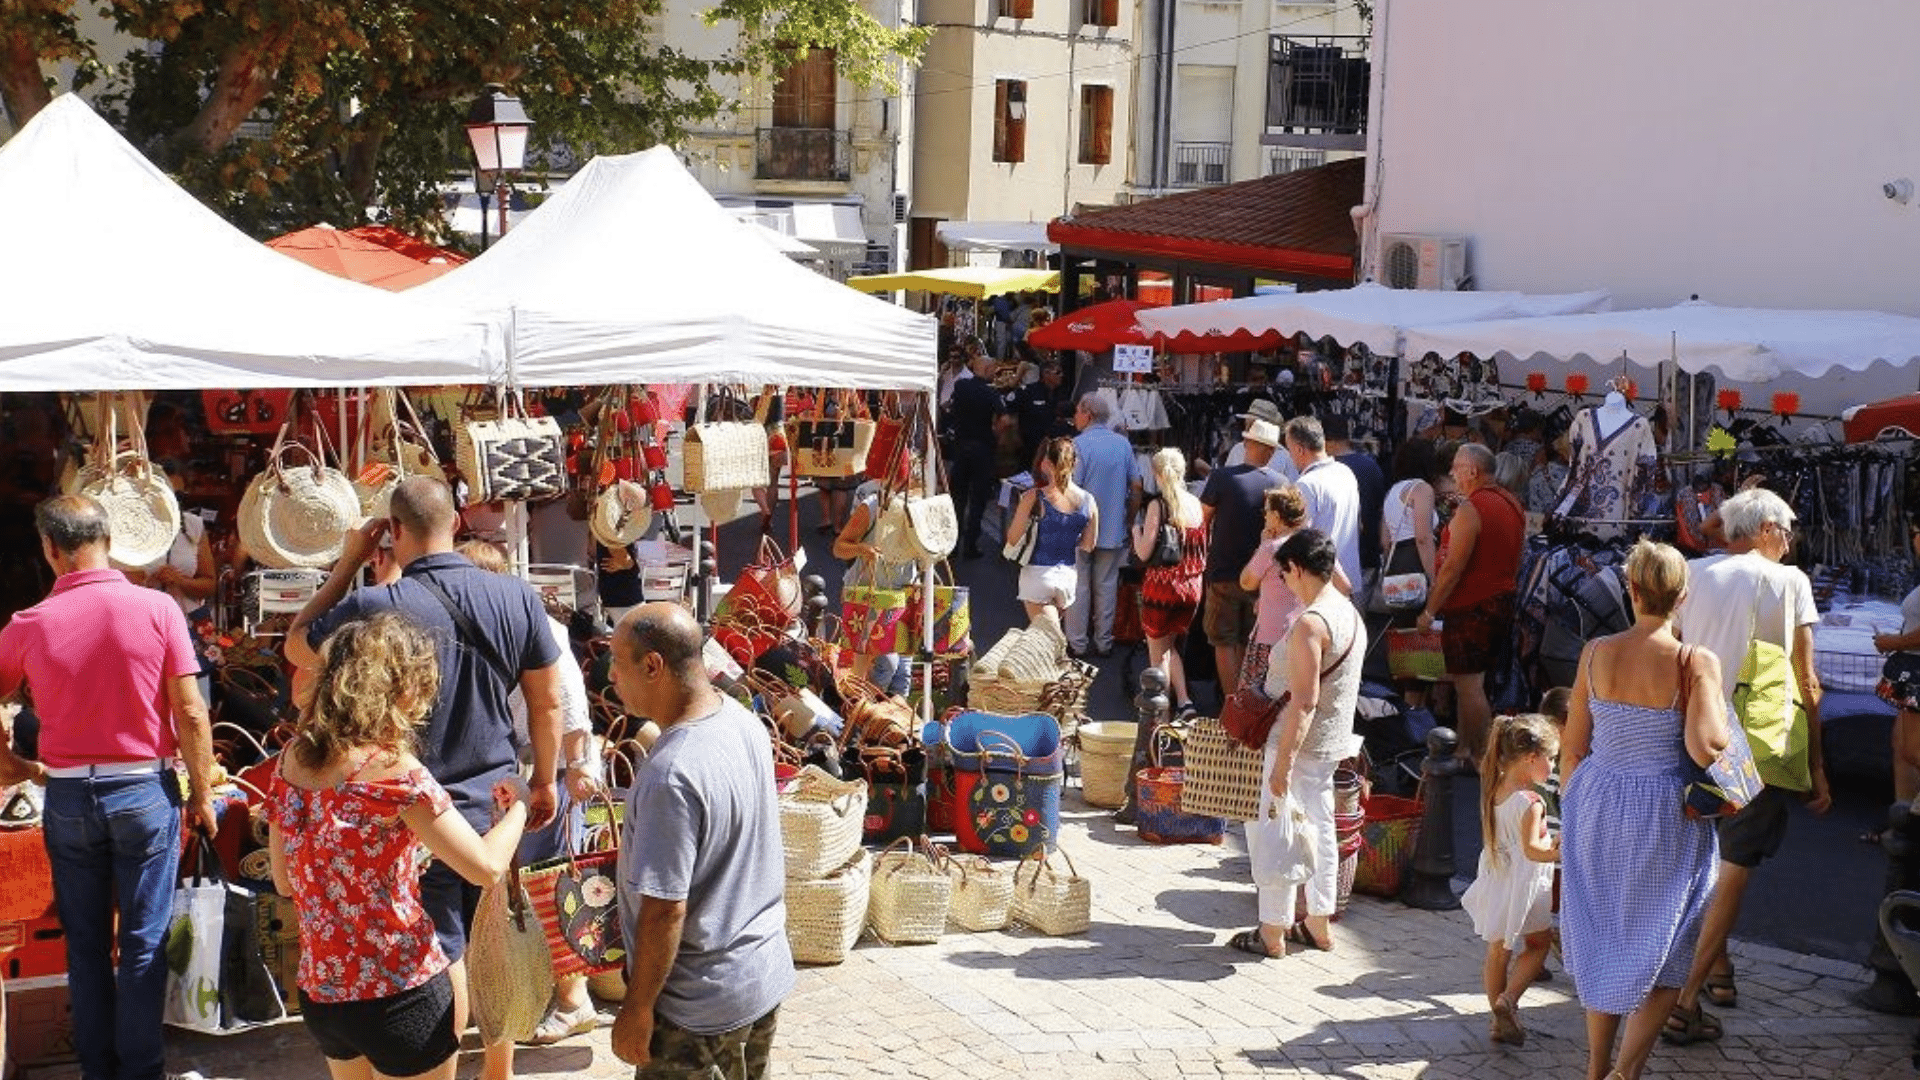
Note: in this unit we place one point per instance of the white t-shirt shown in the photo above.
(1332, 494)
(1731, 599)
(574, 714)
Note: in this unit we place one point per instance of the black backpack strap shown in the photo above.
(467, 631)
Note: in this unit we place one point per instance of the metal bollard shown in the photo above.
(1430, 886)
(703, 589)
(1149, 705)
(1891, 991)
(813, 612)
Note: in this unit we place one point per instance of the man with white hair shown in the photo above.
(1734, 603)
(1331, 490)
(1107, 469)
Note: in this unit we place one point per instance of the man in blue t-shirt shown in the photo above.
(1107, 469)
(492, 636)
(1233, 506)
(702, 871)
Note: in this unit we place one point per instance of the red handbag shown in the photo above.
(768, 589)
(884, 452)
(1249, 714)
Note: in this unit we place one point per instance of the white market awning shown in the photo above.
(1367, 314)
(1744, 344)
(996, 236)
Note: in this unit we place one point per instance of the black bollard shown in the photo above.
(1891, 991)
(1149, 705)
(1430, 887)
(703, 589)
(813, 585)
(813, 612)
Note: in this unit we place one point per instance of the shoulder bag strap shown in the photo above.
(1344, 653)
(468, 631)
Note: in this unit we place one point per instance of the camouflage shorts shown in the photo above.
(679, 1054)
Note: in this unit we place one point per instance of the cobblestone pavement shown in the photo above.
(1152, 992)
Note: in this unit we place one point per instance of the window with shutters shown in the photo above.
(803, 143)
(1009, 120)
(804, 95)
(1096, 125)
(1013, 9)
(1101, 13)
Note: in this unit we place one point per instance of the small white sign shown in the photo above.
(1133, 359)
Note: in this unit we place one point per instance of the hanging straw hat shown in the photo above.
(621, 514)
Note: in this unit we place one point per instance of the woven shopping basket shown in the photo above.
(825, 915)
(911, 897)
(1388, 838)
(1222, 777)
(1157, 803)
(982, 892)
(1049, 901)
(820, 822)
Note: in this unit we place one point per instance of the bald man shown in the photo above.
(492, 635)
(702, 874)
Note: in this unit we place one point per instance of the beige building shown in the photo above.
(1022, 112)
(1250, 88)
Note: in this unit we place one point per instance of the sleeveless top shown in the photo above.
(1059, 541)
(1396, 519)
(1330, 736)
(1495, 562)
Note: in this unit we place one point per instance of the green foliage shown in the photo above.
(363, 99)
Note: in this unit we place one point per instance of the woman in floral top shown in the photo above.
(350, 807)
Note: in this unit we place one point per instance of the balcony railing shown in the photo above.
(1282, 159)
(1201, 164)
(793, 153)
(1317, 86)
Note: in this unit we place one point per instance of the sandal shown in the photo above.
(1506, 1024)
(557, 1025)
(1250, 941)
(1300, 935)
(1685, 1027)
(1720, 990)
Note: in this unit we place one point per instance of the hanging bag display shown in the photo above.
(295, 515)
(514, 457)
(835, 446)
(889, 429)
(143, 513)
(397, 446)
(952, 617)
(725, 455)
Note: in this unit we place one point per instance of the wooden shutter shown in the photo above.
(1102, 13)
(1096, 125)
(804, 96)
(1016, 9)
(1009, 133)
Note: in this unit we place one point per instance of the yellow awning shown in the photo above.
(978, 282)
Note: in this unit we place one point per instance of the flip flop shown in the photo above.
(1249, 941)
(1684, 1027)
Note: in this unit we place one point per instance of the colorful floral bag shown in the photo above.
(870, 618)
(576, 897)
(952, 618)
(1006, 803)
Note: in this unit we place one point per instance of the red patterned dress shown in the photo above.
(356, 883)
(1170, 595)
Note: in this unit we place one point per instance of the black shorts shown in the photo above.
(1753, 835)
(406, 1034)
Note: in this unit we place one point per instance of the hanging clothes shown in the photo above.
(1612, 475)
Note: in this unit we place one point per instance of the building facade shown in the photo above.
(1247, 88)
(1022, 111)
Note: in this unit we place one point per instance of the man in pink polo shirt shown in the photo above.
(113, 674)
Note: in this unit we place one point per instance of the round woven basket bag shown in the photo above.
(142, 510)
(621, 514)
(297, 517)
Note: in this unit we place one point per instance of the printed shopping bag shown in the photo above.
(952, 619)
(576, 897)
(217, 977)
(870, 618)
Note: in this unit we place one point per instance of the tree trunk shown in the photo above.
(247, 76)
(361, 170)
(22, 88)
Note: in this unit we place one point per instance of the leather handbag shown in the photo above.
(835, 446)
(515, 457)
(1249, 714)
(577, 900)
(1168, 549)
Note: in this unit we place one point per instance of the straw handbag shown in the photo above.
(1223, 778)
(825, 916)
(509, 967)
(830, 446)
(1048, 901)
(517, 456)
(935, 527)
(296, 516)
(728, 454)
(911, 897)
(142, 513)
(820, 822)
(621, 514)
(982, 892)
(395, 450)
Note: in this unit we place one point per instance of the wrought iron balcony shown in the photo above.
(1317, 91)
(1202, 164)
(794, 153)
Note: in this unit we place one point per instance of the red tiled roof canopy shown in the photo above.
(1299, 222)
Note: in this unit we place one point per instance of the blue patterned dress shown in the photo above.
(1636, 875)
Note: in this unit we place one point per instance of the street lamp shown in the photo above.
(497, 129)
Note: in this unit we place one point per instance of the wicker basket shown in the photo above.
(719, 457)
(1106, 750)
(509, 965)
(1388, 838)
(820, 822)
(1157, 800)
(143, 514)
(1048, 901)
(911, 896)
(982, 893)
(296, 517)
(1222, 777)
(825, 916)
(608, 985)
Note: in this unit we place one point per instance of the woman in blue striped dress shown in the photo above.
(1636, 874)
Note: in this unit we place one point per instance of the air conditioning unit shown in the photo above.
(1414, 261)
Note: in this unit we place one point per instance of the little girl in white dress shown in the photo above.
(1511, 899)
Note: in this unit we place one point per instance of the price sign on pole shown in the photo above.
(1133, 359)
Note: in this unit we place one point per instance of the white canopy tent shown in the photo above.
(633, 273)
(1367, 314)
(116, 279)
(996, 236)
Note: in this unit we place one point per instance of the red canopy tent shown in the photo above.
(1894, 418)
(372, 255)
(1100, 327)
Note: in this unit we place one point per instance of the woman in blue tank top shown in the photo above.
(1065, 522)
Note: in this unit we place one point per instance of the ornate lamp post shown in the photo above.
(497, 128)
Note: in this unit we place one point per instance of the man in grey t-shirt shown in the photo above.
(702, 874)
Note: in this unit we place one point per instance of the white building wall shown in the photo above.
(1656, 149)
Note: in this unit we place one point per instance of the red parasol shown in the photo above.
(1095, 328)
(367, 260)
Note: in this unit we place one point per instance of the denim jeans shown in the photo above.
(115, 838)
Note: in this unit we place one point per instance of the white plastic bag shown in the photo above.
(192, 954)
(1284, 845)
